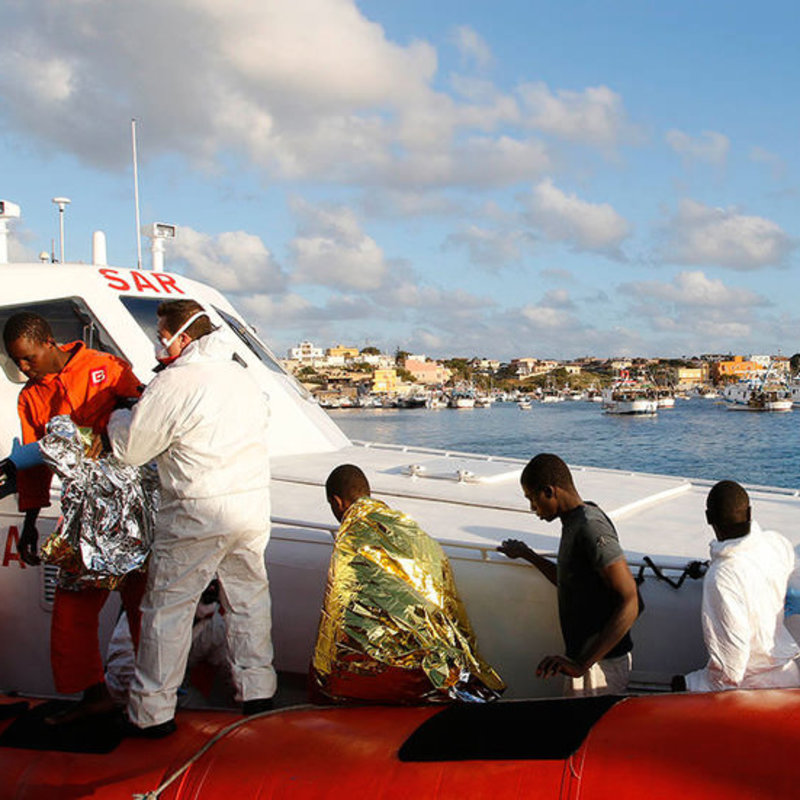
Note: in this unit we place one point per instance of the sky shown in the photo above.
(452, 178)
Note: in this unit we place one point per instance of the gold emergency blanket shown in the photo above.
(391, 597)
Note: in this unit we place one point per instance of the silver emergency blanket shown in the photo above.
(108, 509)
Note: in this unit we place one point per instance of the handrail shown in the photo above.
(488, 551)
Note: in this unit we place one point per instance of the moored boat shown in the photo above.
(629, 398)
(757, 395)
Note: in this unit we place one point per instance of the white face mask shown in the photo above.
(162, 345)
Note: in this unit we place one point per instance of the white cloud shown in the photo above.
(701, 235)
(234, 261)
(584, 226)
(332, 250)
(306, 90)
(695, 290)
(472, 46)
(558, 298)
(777, 166)
(490, 248)
(479, 161)
(594, 116)
(709, 146)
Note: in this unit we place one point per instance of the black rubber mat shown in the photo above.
(523, 730)
(98, 734)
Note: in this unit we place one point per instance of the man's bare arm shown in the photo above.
(513, 548)
(619, 579)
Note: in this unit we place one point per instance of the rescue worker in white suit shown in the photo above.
(204, 421)
(744, 591)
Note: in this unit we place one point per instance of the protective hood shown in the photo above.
(219, 345)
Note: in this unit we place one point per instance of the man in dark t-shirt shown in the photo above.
(597, 596)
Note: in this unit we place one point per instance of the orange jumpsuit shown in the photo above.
(87, 388)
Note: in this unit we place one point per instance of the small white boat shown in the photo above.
(461, 398)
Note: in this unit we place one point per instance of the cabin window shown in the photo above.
(527, 730)
(143, 310)
(71, 320)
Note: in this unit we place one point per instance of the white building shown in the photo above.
(305, 351)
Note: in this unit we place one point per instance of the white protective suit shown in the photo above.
(749, 647)
(204, 421)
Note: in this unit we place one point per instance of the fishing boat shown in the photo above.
(629, 397)
(414, 400)
(658, 745)
(757, 394)
(462, 398)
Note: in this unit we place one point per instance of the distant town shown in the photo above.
(342, 373)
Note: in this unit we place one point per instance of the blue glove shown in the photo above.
(792, 605)
(25, 456)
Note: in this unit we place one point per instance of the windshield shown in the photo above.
(260, 350)
(143, 310)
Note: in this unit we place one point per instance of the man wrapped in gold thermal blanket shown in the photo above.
(393, 629)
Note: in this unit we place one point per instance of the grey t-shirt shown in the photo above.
(589, 544)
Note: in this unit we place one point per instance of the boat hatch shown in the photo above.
(462, 470)
(527, 730)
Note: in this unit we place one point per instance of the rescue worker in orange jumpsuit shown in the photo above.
(87, 385)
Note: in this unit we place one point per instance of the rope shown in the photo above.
(694, 570)
(153, 794)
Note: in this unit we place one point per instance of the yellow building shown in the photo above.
(384, 381)
(340, 351)
(692, 376)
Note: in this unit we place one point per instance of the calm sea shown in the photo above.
(697, 438)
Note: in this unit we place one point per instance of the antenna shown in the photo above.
(136, 195)
(62, 203)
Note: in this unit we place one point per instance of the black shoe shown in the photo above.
(250, 707)
(130, 730)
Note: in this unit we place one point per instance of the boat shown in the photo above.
(524, 403)
(794, 389)
(629, 397)
(483, 401)
(707, 392)
(757, 394)
(436, 401)
(462, 398)
(665, 398)
(551, 397)
(692, 745)
(415, 400)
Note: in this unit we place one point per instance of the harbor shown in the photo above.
(697, 437)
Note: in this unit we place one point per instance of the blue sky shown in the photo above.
(471, 178)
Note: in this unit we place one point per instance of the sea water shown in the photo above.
(698, 438)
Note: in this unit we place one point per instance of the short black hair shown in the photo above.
(728, 507)
(348, 482)
(546, 469)
(176, 312)
(27, 325)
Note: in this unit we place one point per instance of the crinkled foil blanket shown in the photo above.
(391, 596)
(108, 511)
